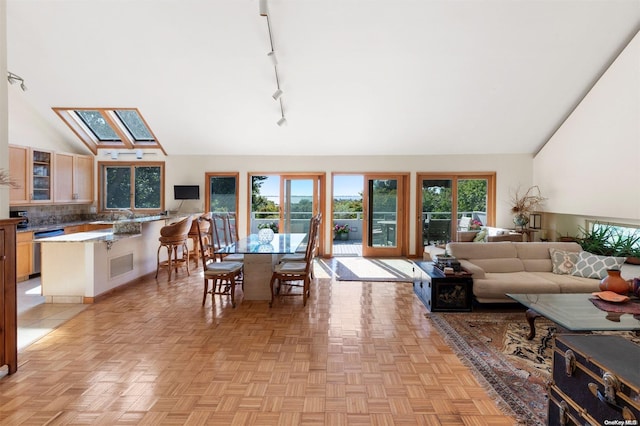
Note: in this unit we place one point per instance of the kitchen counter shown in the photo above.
(78, 267)
(136, 220)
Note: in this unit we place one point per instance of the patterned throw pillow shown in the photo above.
(563, 262)
(594, 266)
(481, 236)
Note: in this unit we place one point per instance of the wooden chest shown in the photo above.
(441, 293)
(596, 381)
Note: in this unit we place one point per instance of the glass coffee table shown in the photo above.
(573, 312)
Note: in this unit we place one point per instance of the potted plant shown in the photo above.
(269, 225)
(608, 240)
(522, 204)
(341, 231)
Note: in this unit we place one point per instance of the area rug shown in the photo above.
(514, 370)
(369, 269)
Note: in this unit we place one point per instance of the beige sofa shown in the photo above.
(516, 267)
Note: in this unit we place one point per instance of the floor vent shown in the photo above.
(121, 265)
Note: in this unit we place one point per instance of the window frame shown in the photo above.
(127, 140)
(102, 167)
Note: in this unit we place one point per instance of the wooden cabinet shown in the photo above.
(24, 255)
(73, 178)
(32, 170)
(19, 170)
(73, 229)
(45, 177)
(8, 300)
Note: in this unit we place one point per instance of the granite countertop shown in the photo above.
(88, 237)
(62, 225)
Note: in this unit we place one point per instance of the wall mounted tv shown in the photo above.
(186, 192)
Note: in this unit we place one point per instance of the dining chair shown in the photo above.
(174, 237)
(300, 256)
(194, 253)
(225, 276)
(295, 274)
(221, 238)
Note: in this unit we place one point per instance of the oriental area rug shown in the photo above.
(514, 370)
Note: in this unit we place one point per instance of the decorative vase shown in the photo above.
(614, 282)
(344, 236)
(520, 220)
(265, 235)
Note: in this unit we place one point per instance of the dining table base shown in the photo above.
(257, 275)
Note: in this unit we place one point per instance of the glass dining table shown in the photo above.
(260, 258)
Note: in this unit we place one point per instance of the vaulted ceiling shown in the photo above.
(380, 77)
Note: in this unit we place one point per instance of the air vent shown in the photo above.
(120, 265)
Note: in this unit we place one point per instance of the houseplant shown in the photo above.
(341, 231)
(609, 240)
(522, 204)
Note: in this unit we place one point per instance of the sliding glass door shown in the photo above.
(445, 199)
(384, 216)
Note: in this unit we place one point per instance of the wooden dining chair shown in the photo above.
(221, 238)
(295, 274)
(225, 276)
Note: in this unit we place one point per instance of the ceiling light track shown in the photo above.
(277, 95)
(15, 78)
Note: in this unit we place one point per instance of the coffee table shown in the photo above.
(573, 312)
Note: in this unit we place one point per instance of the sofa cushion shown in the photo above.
(593, 266)
(496, 285)
(570, 283)
(480, 236)
(482, 251)
(563, 262)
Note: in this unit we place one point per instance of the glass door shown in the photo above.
(384, 216)
(299, 204)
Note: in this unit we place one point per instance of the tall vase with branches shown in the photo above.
(6, 180)
(523, 203)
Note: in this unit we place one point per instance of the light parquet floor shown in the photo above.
(357, 354)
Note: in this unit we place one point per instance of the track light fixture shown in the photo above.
(272, 56)
(277, 95)
(263, 8)
(14, 78)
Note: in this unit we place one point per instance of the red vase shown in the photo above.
(614, 282)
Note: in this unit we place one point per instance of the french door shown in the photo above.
(384, 226)
(300, 198)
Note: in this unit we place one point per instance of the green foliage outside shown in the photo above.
(437, 197)
(147, 184)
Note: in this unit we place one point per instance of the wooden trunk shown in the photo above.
(596, 380)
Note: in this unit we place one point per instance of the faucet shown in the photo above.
(128, 214)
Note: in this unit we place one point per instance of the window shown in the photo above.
(109, 128)
(133, 186)
(222, 194)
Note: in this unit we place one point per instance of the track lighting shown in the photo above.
(139, 154)
(14, 78)
(272, 56)
(114, 155)
(276, 95)
(263, 8)
(282, 121)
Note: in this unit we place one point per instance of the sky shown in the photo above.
(344, 185)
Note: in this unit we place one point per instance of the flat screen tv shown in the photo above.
(186, 192)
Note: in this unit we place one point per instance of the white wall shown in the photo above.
(512, 170)
(590, 167)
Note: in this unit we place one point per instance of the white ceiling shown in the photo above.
(380, 77)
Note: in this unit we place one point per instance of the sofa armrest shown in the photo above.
(478, 272)
(466, 236)
(516, 237)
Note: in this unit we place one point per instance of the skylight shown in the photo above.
(109, 128)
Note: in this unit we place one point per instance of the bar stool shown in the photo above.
(174, 237)
(205, 229)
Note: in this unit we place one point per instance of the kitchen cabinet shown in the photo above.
(8, 300)
(47, 177)
(24, 255)
(86, 227)
(32, 170)
(73, 229)
(73, 178)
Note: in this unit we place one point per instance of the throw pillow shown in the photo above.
(593, 266)
(562, 262)
(482, 235)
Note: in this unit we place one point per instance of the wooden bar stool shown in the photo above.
(205, 229)
(174, 238)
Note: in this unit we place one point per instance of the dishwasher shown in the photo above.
(36, 246)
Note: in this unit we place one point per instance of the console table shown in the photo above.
(442, 292)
